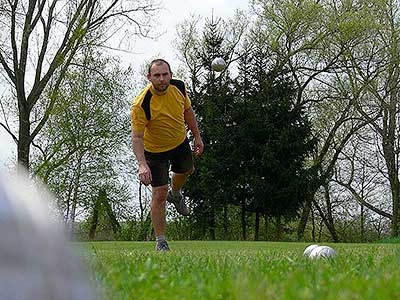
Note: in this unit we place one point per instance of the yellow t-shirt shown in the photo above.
(161, 116)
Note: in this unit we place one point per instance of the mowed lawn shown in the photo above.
(242, 270)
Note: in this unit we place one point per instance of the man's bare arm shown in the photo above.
(138, 149)
(190, 120)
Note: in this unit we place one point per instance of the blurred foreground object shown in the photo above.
(36, 261)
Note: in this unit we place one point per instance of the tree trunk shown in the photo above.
(390, 115)
(266, 226)
(95, 218)
(320, 230)
(244, 220)
(110, 213)
(313, 225)
(257, 226)
(23, 146)
(304, 218)
(388, 141)
(391, 164)
(328, 223)
(329, 214)
(362, 216)
(362, 238)
(226, 222)
(278, 228)
(212, 224)
(71, 218)
(394, 183)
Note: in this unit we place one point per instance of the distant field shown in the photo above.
(243, 270)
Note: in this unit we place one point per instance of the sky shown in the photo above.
(173, 13)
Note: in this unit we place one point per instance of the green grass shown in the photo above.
(243, 270)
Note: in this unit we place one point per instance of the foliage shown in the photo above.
(299, 72)
(272, 138)
(211, 99)
(39, 43)
(256, 137)
(80, 149)
(390, 240)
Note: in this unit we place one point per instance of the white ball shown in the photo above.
(218, 64)
(322, 252)
(308, 250)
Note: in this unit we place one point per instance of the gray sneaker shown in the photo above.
(179, 202)
(162, 246)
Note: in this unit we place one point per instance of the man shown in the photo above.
(158, 116)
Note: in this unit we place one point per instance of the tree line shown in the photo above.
(301, 129)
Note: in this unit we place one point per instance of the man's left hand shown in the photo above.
(198, 147)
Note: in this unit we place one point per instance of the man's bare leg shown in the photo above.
(178, 180)
(158, 215)
(175, 195)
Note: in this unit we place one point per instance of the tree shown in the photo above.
(212, 100)
(82, 148)
(58, 29)
(360, 177)
(102, 205)
(271, 137)
(374, 70)
(310, 39)
(246, 124)
(344, 64)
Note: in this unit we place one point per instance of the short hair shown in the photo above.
(159, 61)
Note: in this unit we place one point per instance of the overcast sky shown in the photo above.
(173, 13)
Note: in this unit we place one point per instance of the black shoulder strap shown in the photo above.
(180, 85)
(146, 104)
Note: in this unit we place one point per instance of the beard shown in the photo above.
(161, 87)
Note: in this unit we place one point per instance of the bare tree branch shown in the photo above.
(46, 30)
(53, 97)
(9, 132)
(361, 201)
(63, 26)
(38, 14)
(8, 70)
(69, 43)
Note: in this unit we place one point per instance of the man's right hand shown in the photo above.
(145, 174)
(138, 149)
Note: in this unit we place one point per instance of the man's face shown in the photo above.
(160, 76)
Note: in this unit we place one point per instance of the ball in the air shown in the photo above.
(322, 252)
(218, 64)
(308, 250)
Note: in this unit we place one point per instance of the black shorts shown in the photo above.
(180, 159)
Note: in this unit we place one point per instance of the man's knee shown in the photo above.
(190, 171)
(159, 194)
(186, 173)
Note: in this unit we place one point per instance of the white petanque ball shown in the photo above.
(322, 252)
(308, 250)
(218, 64)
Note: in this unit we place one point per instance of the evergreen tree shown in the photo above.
(213, 105)
(272, 141)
